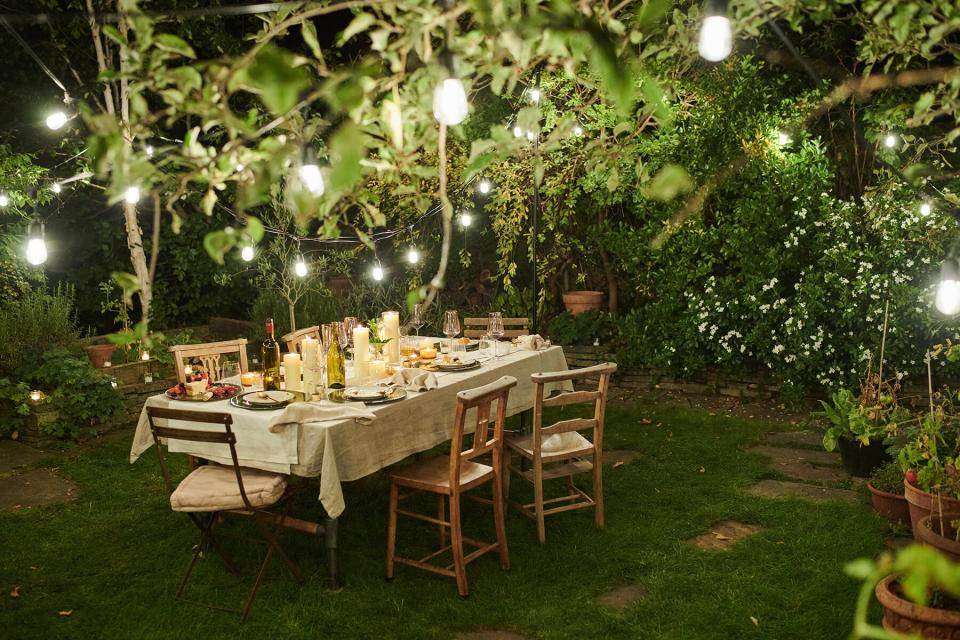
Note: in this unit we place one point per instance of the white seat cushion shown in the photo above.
(213, 487)
(568, 442)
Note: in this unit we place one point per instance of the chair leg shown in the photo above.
(570, 486)
(441, 516)
(499, 506)
(505, 475)
(598, 489)
(271, 538)
(205, 538)
(456, 539)
(256, 584)
(392, 528)
(538, 500)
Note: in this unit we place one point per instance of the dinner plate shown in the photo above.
(467, 365)
(471, 345)
(365, 393)
(229, 391)
(273, 400)
(393, 395)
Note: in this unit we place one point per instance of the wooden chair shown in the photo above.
(450, 477)
(293, 339)
(211, 490)
(209, 355)
(567, 452)
(512, 327)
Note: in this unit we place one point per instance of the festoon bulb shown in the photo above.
(449, 98)
(300, 267)
(247, 253)
(413, 256)
(36, 247)
(716, 36)
(377, 273)
(56, 120)
(310, 174)
(948, 291)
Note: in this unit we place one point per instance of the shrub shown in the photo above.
(583, 328)
(888, 478)
(31, 325)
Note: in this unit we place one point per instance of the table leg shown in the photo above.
(330, 530)
(526, 419)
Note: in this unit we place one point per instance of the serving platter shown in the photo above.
(215, 392)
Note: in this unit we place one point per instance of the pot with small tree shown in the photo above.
(886, 493)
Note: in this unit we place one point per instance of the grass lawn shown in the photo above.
(115, 555)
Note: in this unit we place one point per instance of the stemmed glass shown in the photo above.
(496, 331)
(417, 320)
(451, 326)
(346, 331)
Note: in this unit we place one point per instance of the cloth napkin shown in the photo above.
(531, 343)
(319, 413)
(414, 379)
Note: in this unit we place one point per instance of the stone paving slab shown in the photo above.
(808, 472)
(724, 534)
(781, 489)
(810, 456)
(626, 456)
(14, 455)
(491, 634)
(35, 488)
(622, 597)
(804, 438)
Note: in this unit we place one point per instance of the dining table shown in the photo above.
(336, 441)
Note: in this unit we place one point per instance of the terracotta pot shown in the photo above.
(902, 616)
(928, 532)
(923, 504)
(860, 460)
(577, 302)
(99, 354)
(892, 506)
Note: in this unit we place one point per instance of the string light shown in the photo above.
(535, 95)
(310, 173)
(716, 36)
(926, 209)
(484, 186)
(578, 130)
(132, 195)
(247, 253)
(466, 219)
(300, 267)
(148, 150)
(56, 120)
(36, 247)
(890, 141)
(783, 138)
(413, 256)
(948, 291)
(449, 98)
(4, 200)
(56, 188)
(517, 131)
(377, 272)
(531, 136)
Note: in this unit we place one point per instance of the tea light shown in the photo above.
(426, 343)
(428, 354)
(187, 369)
(36, 395)
(145, 356)
(113, 382)
(248, 379)
(378, 369)
(361, 370)
(107, 364)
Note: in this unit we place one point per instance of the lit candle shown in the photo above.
(36, 395)
(378, 369)
(390, 330)
(428, 354)
(361, 344)
(145, 356)
(248, 379)
(291, 365)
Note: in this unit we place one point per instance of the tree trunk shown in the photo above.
(291, 309)
(138, 258)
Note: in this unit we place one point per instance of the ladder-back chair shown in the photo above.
(212, 489)
(293, 339)
(560, 450)
(208, 354)
(512, 327)
(451, 476)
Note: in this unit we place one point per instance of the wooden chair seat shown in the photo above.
(512, 327)
(567, 445)
(208, 354)
(433, 474)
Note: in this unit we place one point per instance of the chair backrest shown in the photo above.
(598, 398)
(512, 327)
(226, 437)
(208, 354)
(480, 398)
(293, 339)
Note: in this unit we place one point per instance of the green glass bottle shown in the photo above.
(336, 367)
(270, 356)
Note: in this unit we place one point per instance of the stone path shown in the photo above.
(813, 493)
(725, 534)
(491, 634)
(621, 597)
(799, 456)
(22, 487)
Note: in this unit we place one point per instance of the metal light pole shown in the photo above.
(535, 217)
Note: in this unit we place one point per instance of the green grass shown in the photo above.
(114, 556)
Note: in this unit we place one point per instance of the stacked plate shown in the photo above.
(265, 400)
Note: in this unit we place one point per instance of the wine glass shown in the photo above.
(496, 331)
(417, 320)
(349, 324)
(229, 370)
(451, 325)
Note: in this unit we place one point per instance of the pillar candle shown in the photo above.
(361, 344)
(391, 330)
(310, 348)
(291, 364)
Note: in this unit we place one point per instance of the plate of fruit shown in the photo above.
(202, 390)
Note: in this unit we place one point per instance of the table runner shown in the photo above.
(338, 449)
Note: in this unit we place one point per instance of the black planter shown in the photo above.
(860, 460)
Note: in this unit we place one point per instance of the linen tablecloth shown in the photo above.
(347, 446)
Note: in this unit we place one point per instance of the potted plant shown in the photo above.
(931, 480)
(579, 301)
(941, 532)
(886, 493)
(858, 429)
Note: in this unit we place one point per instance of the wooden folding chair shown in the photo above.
(479, 327)
(292, 340)
(212, 490)
(209, 355)
(559, 450)
(450, 477)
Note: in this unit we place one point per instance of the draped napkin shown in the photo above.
(414, 379)
(531, 343)
(319, 413)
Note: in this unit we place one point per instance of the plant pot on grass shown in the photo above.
(580, 301)
(922, 504)
(892, 506)
(99, 354)
(902, 616)
(928, 532)
(860, 460)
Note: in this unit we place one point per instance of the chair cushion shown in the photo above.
(436, 471)
(213, 487)
(568, 442)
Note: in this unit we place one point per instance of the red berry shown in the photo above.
(911, 476)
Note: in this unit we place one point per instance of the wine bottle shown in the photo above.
(336, 367)
(270, 355)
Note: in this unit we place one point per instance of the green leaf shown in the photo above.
(218, 243)
(361, 22)
(209, 200)
(669, 182)
(128, 282)
(275, 77)
(346, 151)
(254, 229)
(113, 33)
(174, 44)
(538, 170)
(309, 33)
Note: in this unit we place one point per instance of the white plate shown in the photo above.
(365, 393)
(269, 397)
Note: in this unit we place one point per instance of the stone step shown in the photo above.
(622, 597)
(725, 534)
(809, 492)
(34, 488)
(807, 472)
(789, 454)
(804, 438)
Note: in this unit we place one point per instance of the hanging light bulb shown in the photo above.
(948, 291)
(377, 273)
(716, 36)
(926, 209)
(531, 136)
(310, 173)
(484, 186)
(535, 95)
(783, 138)
(56, 188)
(578, 130)
(449, 98)
(36, 246)
(148, 150)
(890, 141)
(56, 120)
(300, 267)
(132, 195)
(413, 256)
(247, 253)
(466, 219)
(4, 200)
(517, 132)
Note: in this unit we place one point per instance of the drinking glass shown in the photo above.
(417, 320)
(451, 326)
(349, 324)
(496, 331)
(229, 370)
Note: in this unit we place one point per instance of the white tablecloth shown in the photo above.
(338, 442)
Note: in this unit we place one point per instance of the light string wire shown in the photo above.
(33, 54)
(200, 12)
